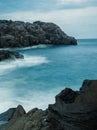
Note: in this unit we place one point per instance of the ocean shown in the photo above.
(44, 72)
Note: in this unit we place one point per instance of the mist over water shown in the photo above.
(44, 72)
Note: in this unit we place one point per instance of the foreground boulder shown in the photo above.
(20, 34)
(7, 55)
(73, 110)
(12, 113)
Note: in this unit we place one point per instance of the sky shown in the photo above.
(77, 18)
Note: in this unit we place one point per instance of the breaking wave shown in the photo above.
(28, 61)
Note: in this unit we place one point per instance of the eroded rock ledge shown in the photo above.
(73, 110)
(21, 34)
(10, 55)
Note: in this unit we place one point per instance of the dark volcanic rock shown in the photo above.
(78, 112)
(10, 116)
(6, 55)
(73, 110)
(12, 113)
(20, 34)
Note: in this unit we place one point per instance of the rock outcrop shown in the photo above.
(20, 34)
(73, 110)
(7, 55)
(12, 113)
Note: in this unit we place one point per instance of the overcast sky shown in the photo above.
(76, 17)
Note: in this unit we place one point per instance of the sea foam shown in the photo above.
(32, 100)
(28, 61)
(33, 47)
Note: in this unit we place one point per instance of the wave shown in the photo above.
(27, 48)
(28, 61)
(33, 47)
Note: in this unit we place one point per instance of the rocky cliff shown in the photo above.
(21, 34)
(73, 110)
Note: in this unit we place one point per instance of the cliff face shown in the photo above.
(20, 34)
(73, 110)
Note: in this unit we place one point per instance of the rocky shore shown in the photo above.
(10, 55)
(73, 110)
(20, 34)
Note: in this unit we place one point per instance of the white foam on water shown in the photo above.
(5, 98)
(9, 97)
(27, 48)
(32, 99)
(37, 99)
(34, 47)
(28, 61)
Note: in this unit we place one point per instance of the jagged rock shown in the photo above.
(20, 34)
(7, 54)
(32, 120)
(12, 113)
(73, 110)
(78, 112)
(10, 116)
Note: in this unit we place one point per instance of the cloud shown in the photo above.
(69, 4)
(43, 5)
(27, 5)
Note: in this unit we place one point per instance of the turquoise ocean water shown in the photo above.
(44, 72)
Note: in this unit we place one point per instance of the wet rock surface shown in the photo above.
(21, 34)
(73, 110)
(10, 55)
